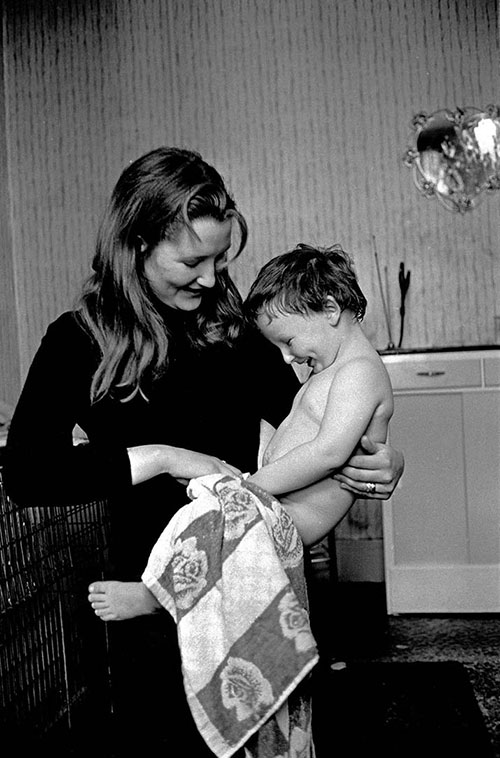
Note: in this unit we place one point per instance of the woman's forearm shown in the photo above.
(148, 461)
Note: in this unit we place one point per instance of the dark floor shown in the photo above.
(358, 630)
(351, 626)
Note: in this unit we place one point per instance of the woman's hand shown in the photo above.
(147, 461)
(373, 475)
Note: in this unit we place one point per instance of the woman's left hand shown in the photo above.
(375, 474)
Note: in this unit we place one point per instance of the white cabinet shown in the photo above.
(442, 526)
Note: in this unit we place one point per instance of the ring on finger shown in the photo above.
(371, 487)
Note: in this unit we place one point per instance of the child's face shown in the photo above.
(302, 338)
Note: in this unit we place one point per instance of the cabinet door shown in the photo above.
(427, 532)
(482, 454)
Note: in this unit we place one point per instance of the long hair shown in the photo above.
(301, 280)
(155, 198)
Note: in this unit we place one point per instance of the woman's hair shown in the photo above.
(155, 199)
(300, 282)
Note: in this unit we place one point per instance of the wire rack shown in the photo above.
(52, 653)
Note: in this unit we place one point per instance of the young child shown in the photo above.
(308, 303)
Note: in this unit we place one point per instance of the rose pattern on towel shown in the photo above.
(244, 688)
(286, 538)
(294, 622)
(238, 507)
(189, 568)
(287, 541)
(248, 680)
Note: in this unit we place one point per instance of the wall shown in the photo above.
(303, 105)
(9, 347)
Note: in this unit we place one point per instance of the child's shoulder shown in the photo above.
(358, 354)
(363, 366)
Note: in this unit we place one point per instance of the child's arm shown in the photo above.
(357, 390)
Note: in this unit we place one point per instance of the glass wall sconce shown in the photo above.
(455, 155)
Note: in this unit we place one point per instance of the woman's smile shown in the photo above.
(181, 270)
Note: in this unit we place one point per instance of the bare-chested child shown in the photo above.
(308, 303)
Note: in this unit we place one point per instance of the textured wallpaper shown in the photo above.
(303, 105)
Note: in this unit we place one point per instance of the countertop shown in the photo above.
(456, 349)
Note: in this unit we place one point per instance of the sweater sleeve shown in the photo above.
(42, 466)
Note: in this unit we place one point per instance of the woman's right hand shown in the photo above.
(380, 464)
(147, 461)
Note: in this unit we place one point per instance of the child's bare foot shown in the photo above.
(117, 601)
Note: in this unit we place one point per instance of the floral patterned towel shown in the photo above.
(229, 568)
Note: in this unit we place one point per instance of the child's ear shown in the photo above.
(332, 310)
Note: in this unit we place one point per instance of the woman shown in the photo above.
(156, 366)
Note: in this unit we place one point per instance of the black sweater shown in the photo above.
(210, 401)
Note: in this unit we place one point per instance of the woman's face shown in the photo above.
(180, 271)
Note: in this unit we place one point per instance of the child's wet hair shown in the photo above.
(301, 280)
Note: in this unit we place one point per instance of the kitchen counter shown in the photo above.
(459, 349)
(440, 528)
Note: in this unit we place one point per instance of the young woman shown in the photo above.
(156, 366)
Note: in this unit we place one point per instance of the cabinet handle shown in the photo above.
(431, 373)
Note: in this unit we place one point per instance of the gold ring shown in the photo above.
(371, 487)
